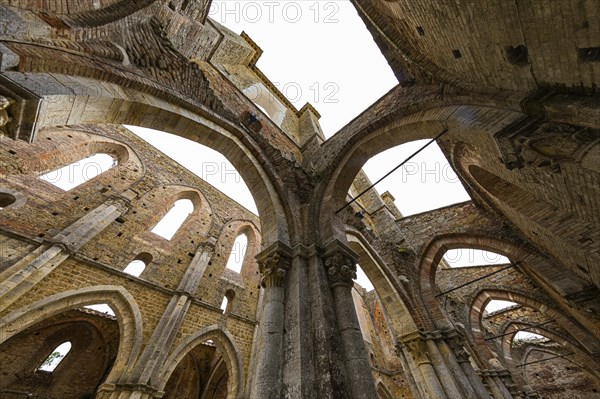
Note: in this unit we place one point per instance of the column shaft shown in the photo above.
(445, 376)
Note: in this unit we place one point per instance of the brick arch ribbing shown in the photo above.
(122, 303)
(486, 295)
(432, 254)
(225, 343)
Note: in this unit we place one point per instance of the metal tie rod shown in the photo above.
(543, 360)
(393, 170)
(477, 279)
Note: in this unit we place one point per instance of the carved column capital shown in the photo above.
(456, 342)
(340, 263)
(341, 269)
(5, 103)
(273, 264)
(416, 346)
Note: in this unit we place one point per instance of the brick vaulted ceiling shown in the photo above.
(489, 45)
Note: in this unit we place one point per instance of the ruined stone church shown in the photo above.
(508, 90)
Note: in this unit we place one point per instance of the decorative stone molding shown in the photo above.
(19, 108)
(341, 269)
(5, 118)
(273, 264)
(545, 145)
(415, 343)
(418, 350)
(456, 342)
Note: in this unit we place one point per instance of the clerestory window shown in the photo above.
(172, 221)
(76, 173)
(237, 254)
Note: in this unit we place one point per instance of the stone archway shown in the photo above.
(580, 335)
(225, 342)
(122, 303)
(145, 111)
(351, 148)
(392, 296)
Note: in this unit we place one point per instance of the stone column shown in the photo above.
(443, 371)
(26, 273)
(496, 385)
(509, 384)
(456, 354)
(141, 379)
(417, 348)
(413, 374)
(341, 270)
(274, 263)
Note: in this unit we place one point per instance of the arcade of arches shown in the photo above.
(513, 84)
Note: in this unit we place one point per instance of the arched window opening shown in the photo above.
(238, 252)
(264, 99)
(79, 172)
(137, 266)
(57, 356)
(172, 221)
(495, 305)
(529, 337)
(466, 257)
(428, 177)
(362, 279)
(226, 303)
(6, 199)
(215, 169)
(102, 308)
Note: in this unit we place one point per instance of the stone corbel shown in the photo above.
(19, 111)
(545, 144)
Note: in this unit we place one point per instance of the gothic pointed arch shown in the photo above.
(360, 140)
(580, 334)
(225, 342)
(226, 244)
(389, 288)
(121, 301)
(223, 137)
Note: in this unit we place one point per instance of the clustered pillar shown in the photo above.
(440, 368)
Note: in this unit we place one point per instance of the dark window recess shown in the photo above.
(421, 31)
(6, 200)
(456, 53)
(184, 5)
(120, 219)
(517, 55)
(589, 54)
(171, 5)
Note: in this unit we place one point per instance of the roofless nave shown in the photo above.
(513, 84)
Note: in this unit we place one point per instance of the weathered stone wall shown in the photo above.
(151, 182)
